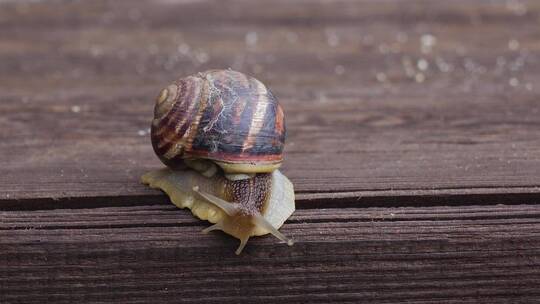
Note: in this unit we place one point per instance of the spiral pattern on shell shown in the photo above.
(221, 115)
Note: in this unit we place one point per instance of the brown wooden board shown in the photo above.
(143, 254)
(414, 147)
(78, 81)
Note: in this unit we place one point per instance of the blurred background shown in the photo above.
(412, 86)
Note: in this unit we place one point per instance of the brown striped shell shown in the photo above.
(220, 115)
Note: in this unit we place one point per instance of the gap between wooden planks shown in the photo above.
(363, 199)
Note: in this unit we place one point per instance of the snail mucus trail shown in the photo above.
(221, 135)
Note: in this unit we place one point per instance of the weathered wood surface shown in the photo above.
(149, 254)
(414, 146)
(78, 82)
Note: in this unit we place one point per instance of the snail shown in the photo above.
(221, 135)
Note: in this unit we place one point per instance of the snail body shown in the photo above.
(242, 220)
(221, 135)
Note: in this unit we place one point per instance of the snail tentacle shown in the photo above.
(243, 243)
(229, 208)
(260, 221)
(212, 228)
(256, 219)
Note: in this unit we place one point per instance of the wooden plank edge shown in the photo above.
(379, 198)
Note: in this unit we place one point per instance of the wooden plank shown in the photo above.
(78, 81)
(468, 254)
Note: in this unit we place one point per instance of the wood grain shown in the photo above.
(474, 254)
(364, 111)
(413, 145)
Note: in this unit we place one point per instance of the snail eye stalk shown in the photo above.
(231, 210)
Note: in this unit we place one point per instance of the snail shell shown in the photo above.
(221, 134)
(220, 115)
